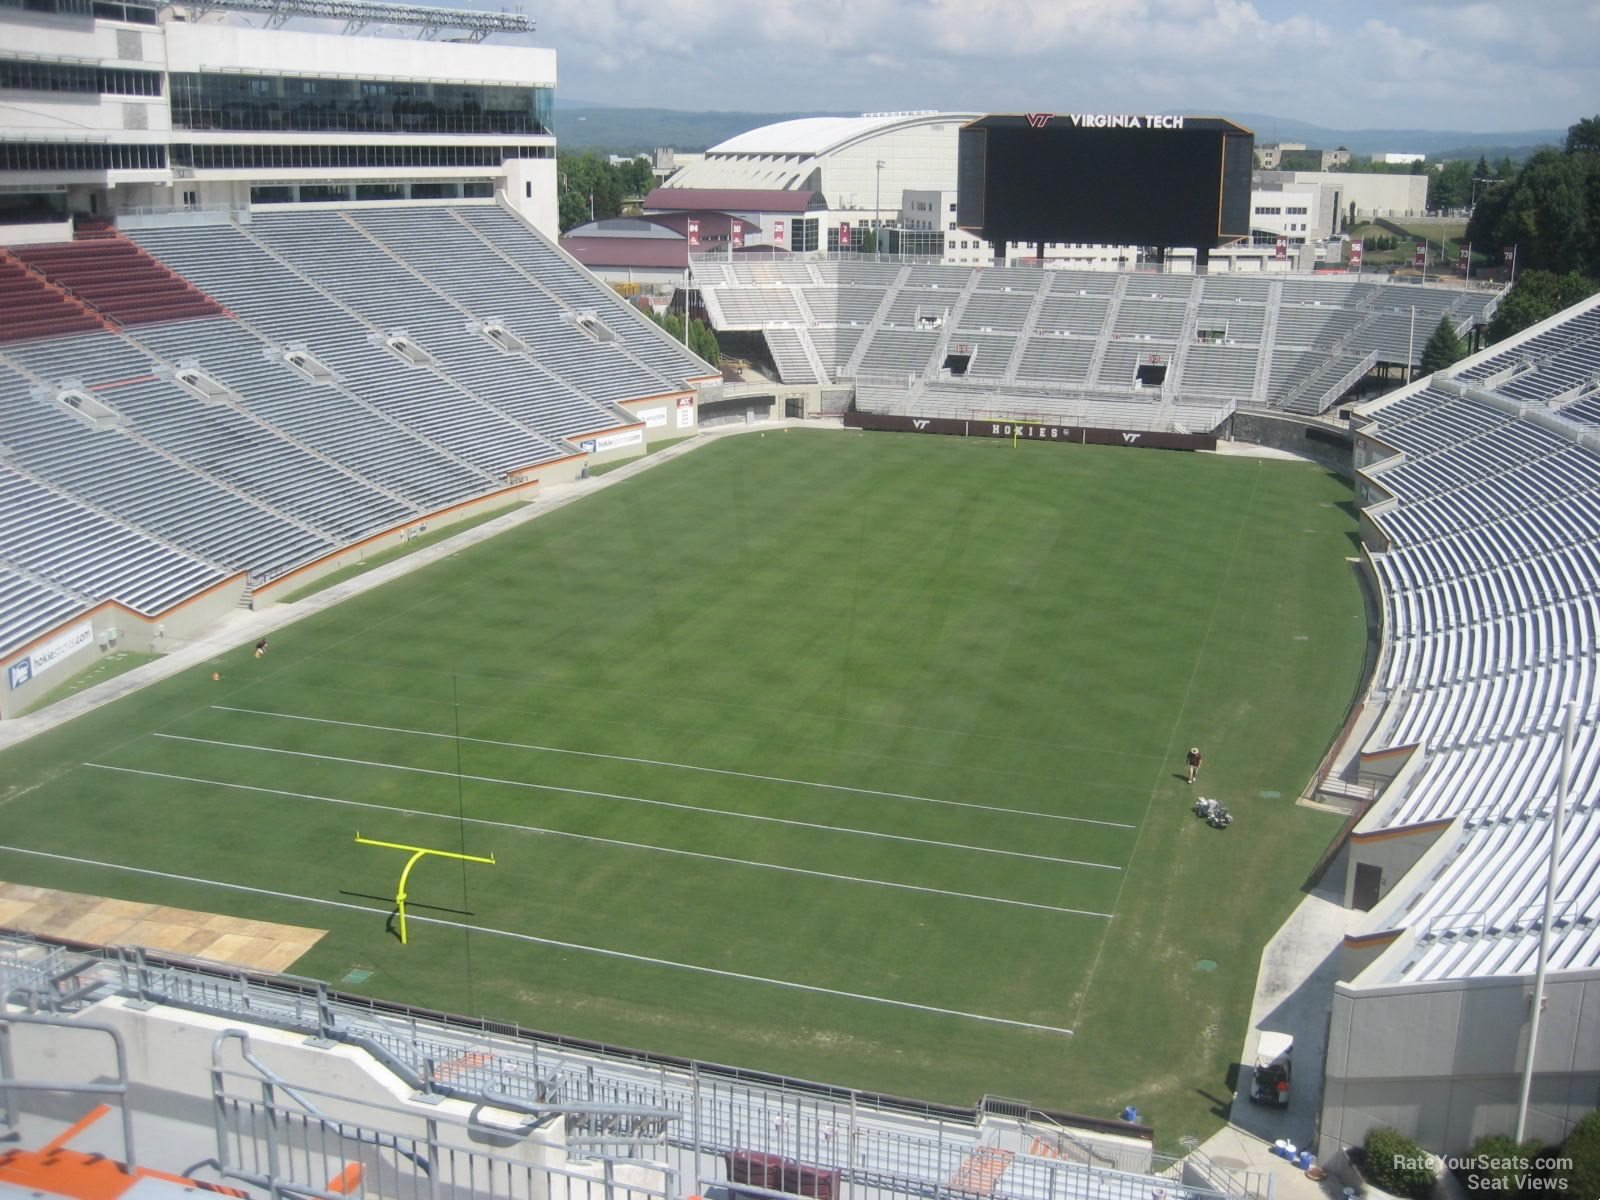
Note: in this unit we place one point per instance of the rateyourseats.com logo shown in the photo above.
(1496, 1173)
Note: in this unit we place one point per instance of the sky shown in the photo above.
(1349, 64)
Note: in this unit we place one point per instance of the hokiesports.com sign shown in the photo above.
(52, 653)
(1027, 431)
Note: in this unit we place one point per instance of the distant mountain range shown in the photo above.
(591, 125)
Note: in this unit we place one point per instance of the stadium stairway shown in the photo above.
(119, 280)
(890, 295)
(1269, 339)
(1110, 323)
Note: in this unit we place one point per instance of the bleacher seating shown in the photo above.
(990, 353)
(835, 346)
(55, 538)
(1314, 337)
(1003, 312)
(119, 280)
(899, 352)
(1149, 319)
(539, 259)
(1491, 595)
(248, 398)
(1057, 359)
(789, 356)
(32, 307)
(284, 307)
(29, 603)
(219, 445)
(842, 305)
(328, 420)
(334, 253)
(751, 308)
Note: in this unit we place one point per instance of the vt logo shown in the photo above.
(1039, 120)
(1130, 438)
(920, 424)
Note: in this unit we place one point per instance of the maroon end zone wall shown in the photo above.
(1077, 434)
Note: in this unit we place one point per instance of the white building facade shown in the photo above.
(107, 108)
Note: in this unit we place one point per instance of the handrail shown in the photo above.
(119, 1088)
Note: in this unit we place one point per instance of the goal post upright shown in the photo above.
(418, 853)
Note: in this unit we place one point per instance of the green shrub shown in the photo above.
(1395, 1163)
(1496, 1164)
(1581, 1175)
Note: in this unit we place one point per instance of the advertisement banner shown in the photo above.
(738, 233)
(1282, 250)
(613, 441)
(1464, 261)
(844, 236)
(53, 653)
(1356, 249)
(653, 418)
(694, 232)
(1028, 432)
(685, 412)
(777, 230)
(1419, 259)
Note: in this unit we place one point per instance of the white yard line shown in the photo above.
(602, 841)
(553, 943)
(654, 762)
(572, 791)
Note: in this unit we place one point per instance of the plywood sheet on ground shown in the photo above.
(260, 945)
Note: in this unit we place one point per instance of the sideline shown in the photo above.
(241, 625)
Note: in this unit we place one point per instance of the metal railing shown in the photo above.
(613, 1101)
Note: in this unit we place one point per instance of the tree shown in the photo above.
(1452, 187)
(592, 188)
(1538, 294)
(703, 341)
(1443, 348)
(1584, 137)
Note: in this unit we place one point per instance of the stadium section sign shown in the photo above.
(55, 651)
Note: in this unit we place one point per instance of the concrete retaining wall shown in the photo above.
(1324, 444)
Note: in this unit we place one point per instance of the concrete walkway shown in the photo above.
(1299, 967)
(242, 626)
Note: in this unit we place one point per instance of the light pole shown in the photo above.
(877, 215)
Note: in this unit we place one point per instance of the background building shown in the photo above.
(109, 107)
(1372, 195)
(856, 170)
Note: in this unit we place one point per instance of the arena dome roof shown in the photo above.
(815, 136)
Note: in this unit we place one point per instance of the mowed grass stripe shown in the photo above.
(679, 766)
(584, 894)
(958, 620)
(933, 863)
(597, 840)
(1102, 783)
(714, 794)
(423, 919)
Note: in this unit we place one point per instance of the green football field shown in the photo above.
(856, 757)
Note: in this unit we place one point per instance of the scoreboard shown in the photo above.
(1124, 179)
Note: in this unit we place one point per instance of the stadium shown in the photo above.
(541, 769)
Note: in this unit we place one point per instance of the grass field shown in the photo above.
(897, 718)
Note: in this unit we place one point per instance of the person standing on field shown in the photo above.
(1193, 760)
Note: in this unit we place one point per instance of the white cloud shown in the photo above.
(1488, 64)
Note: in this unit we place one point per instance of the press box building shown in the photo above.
(107, 108)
